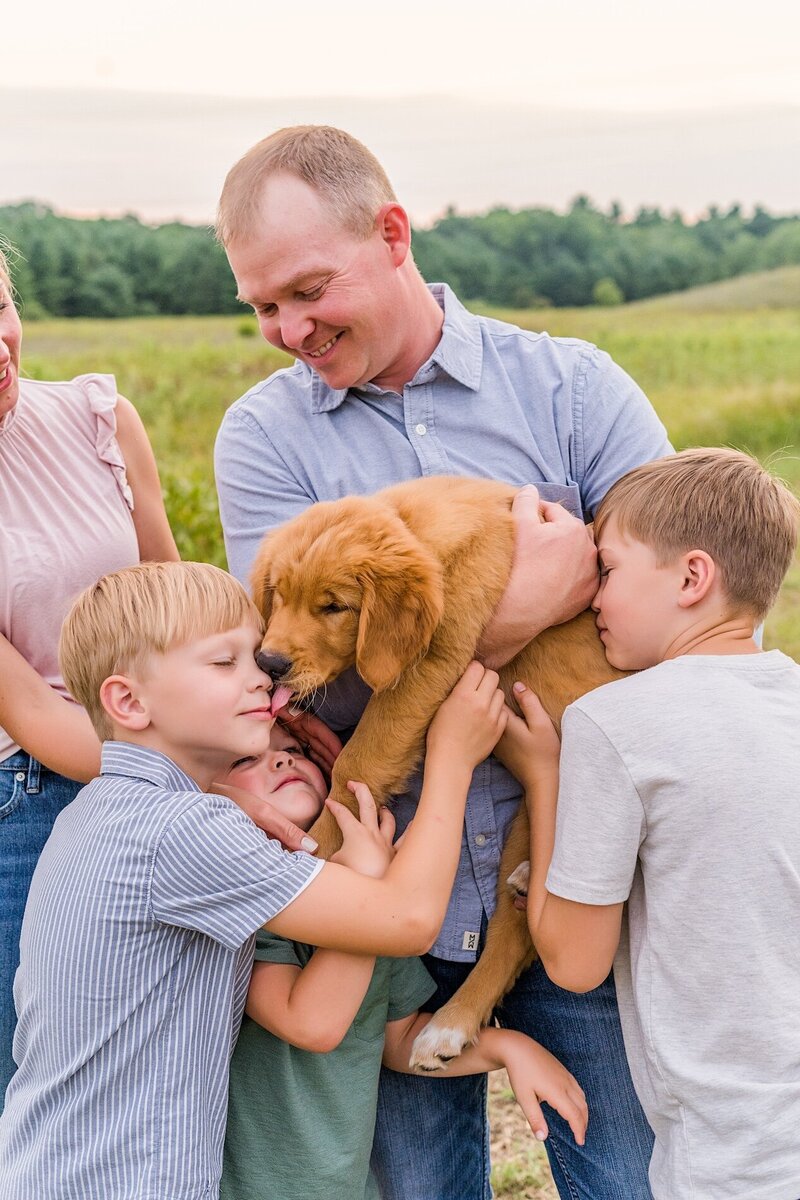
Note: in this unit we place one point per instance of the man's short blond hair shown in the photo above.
(341, 169)
(117, 623)
(717, 500)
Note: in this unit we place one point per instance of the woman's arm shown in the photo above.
(156, 543)
(311, 1007)
(46, 725)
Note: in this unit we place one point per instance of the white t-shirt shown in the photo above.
(680, 792)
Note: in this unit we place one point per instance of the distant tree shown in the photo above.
(607, 292)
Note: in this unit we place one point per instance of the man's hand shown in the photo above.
(323, 744)
(530, 746)
(267, 817)
(553, 576)
(367, 839)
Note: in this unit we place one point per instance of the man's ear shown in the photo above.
(402, 604)
(699, 574)
(118, 697)
(393, 225)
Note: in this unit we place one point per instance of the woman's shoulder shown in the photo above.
(93, 393)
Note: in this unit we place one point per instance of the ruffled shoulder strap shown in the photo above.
(101, 392)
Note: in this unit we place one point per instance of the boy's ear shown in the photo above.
(118, 697)
(699, 574)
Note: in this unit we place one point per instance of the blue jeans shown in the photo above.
(31, 797)
(432, 1139)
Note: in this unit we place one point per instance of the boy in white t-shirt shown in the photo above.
(679, 792)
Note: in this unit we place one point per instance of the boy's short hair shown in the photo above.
(717, 500)
(341, 169)
(115, 624)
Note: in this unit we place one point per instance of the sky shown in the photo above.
(624, 55)
(142, 107)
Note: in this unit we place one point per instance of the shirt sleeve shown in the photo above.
(410, 986)
(270, 947)
(600, 823)
(215, 872)
(256, 489)
(617, 428)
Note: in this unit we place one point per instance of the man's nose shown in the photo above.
(277, 666)
(295, 328)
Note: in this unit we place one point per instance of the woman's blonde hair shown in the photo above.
(341, 169)
(717, 500)
(129, 615)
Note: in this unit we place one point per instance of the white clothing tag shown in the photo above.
(469, 941)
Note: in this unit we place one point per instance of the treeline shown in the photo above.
(535, 257)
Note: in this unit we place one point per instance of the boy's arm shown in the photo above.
(311, 1007)
(401, 913)
(533, 1072)
(576, 942)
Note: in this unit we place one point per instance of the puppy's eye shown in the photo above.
(333, 607)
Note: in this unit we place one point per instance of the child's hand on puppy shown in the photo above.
(366, 839)
(471, 719)
(530, 746)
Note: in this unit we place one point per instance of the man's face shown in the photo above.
(636, 603)
(319, 292)
(284, 776)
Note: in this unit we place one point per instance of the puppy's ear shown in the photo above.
(402, 603)
(260, 586)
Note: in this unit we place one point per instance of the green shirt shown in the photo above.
(300, 1124)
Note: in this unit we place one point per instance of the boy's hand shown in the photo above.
(267, 817)
(367, 845)
(529, 748)
(471, 719)
(535, 1075)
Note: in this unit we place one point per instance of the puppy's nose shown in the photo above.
(277, 666)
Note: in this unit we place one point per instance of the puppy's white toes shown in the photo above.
(519, 878)
(436, 1046)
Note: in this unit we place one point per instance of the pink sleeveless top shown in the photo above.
(65, 512)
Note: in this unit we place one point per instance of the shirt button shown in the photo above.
(480, 839)
(19, 776)
(421, 429)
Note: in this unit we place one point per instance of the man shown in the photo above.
(394, 380)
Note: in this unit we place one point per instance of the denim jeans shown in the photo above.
(31, 797)
(432, 1139)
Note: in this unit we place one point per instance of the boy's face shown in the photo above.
(207, 702)
(636, 602)
(284, 776)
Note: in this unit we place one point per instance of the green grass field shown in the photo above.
(715, 377)
(722, 368)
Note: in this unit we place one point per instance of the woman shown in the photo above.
(79, 496)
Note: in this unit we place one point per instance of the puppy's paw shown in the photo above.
(442, 1039)
(518, 880)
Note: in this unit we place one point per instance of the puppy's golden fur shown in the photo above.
(400, 585)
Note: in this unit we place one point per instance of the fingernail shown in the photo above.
(519, 687)
(309, 845)
(540, 1135)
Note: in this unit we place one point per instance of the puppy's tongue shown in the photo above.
(279, 698)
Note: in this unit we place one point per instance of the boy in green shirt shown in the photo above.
(304, 1075)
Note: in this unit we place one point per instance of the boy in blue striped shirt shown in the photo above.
(137, 943)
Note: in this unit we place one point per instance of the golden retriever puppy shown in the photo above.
(400, 585)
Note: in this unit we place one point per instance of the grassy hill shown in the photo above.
(779, 288)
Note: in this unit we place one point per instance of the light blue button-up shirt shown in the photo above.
(492, 401)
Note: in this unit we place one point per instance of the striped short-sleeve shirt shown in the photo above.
(136, 952)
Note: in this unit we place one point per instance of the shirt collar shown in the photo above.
(139, 762)
(459, 354)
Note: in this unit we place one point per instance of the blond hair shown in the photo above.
(118, 622)
(347, 176)
(5, 270)
(717, 500)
